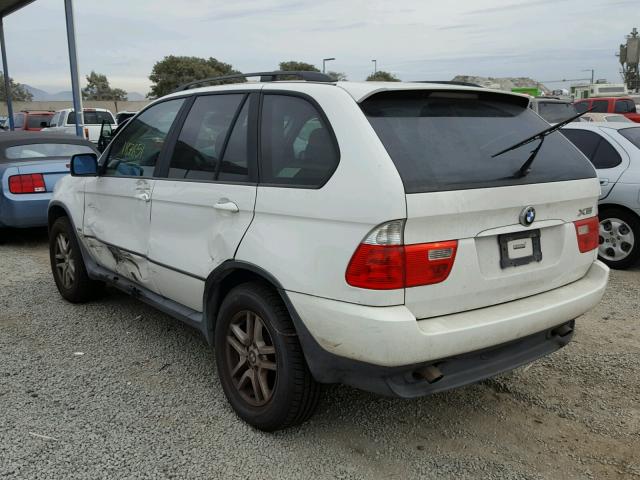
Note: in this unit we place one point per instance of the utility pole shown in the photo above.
(375, 66)
(73, 64)
(592, 73)
(7, 80)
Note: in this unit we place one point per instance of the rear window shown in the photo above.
(92, 118)
(442, 140)
(555, 112)
(632, 134)
(38, 121)
(40, 150)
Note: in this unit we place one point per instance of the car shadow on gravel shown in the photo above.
(23, 236)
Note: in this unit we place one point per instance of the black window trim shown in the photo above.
(325, 120)
(251, 96)
(182, 113)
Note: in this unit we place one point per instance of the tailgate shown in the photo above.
(478, 218)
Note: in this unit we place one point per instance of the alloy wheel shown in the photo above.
(251, 358)
(65, 264)
(616, 239)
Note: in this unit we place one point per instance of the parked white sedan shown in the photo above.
(614, 149)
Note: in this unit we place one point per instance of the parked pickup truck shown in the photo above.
(622, 105)
(65, 121)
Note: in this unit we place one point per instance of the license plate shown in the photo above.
(519, 248)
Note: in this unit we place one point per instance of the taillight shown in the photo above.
(428, 263)
(383, 262)
(30, 183)
(86, 133)
(588, 233)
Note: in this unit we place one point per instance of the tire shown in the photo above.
(67, 265)
(272, 354)
(619, 238)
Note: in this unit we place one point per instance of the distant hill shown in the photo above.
(36, 92)
(135, 96)
(42, 96)
(505, 83)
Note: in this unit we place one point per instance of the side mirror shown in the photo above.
(44, 124)
(84, 165)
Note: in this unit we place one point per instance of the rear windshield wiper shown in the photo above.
(526, 166)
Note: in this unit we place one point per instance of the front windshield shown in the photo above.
(556, 112)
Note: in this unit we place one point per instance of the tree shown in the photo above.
(293, 66)
(98, 89)
(173, 71)
(19, 92)
(382, 76)
(338, 76)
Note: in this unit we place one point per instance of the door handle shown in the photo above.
(604, 181)
(144, 196)
(226, 206)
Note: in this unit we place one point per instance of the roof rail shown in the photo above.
(264, 77)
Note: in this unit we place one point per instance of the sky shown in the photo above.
(414, 39)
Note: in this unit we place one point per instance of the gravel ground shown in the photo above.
(116, 389)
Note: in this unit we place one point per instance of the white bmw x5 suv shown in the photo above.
(322, 232)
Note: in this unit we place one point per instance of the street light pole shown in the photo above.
(375, 66)
(592, 73)
(324, 63)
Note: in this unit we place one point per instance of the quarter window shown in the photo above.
(598, 150)
(136, 150)
(625, 106)
(297, 146)
(200, 148)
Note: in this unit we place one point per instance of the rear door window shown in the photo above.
(600, 106)
(581, 107)
(444, 140)
(298, 147)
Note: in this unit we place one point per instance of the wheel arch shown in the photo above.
(605, 206)
(55, 211)
(223, 279)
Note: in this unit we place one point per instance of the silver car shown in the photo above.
(614, 149)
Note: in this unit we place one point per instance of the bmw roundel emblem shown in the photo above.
(527, 216)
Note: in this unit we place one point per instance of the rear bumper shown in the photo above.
(379, 348)
(30, 210)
